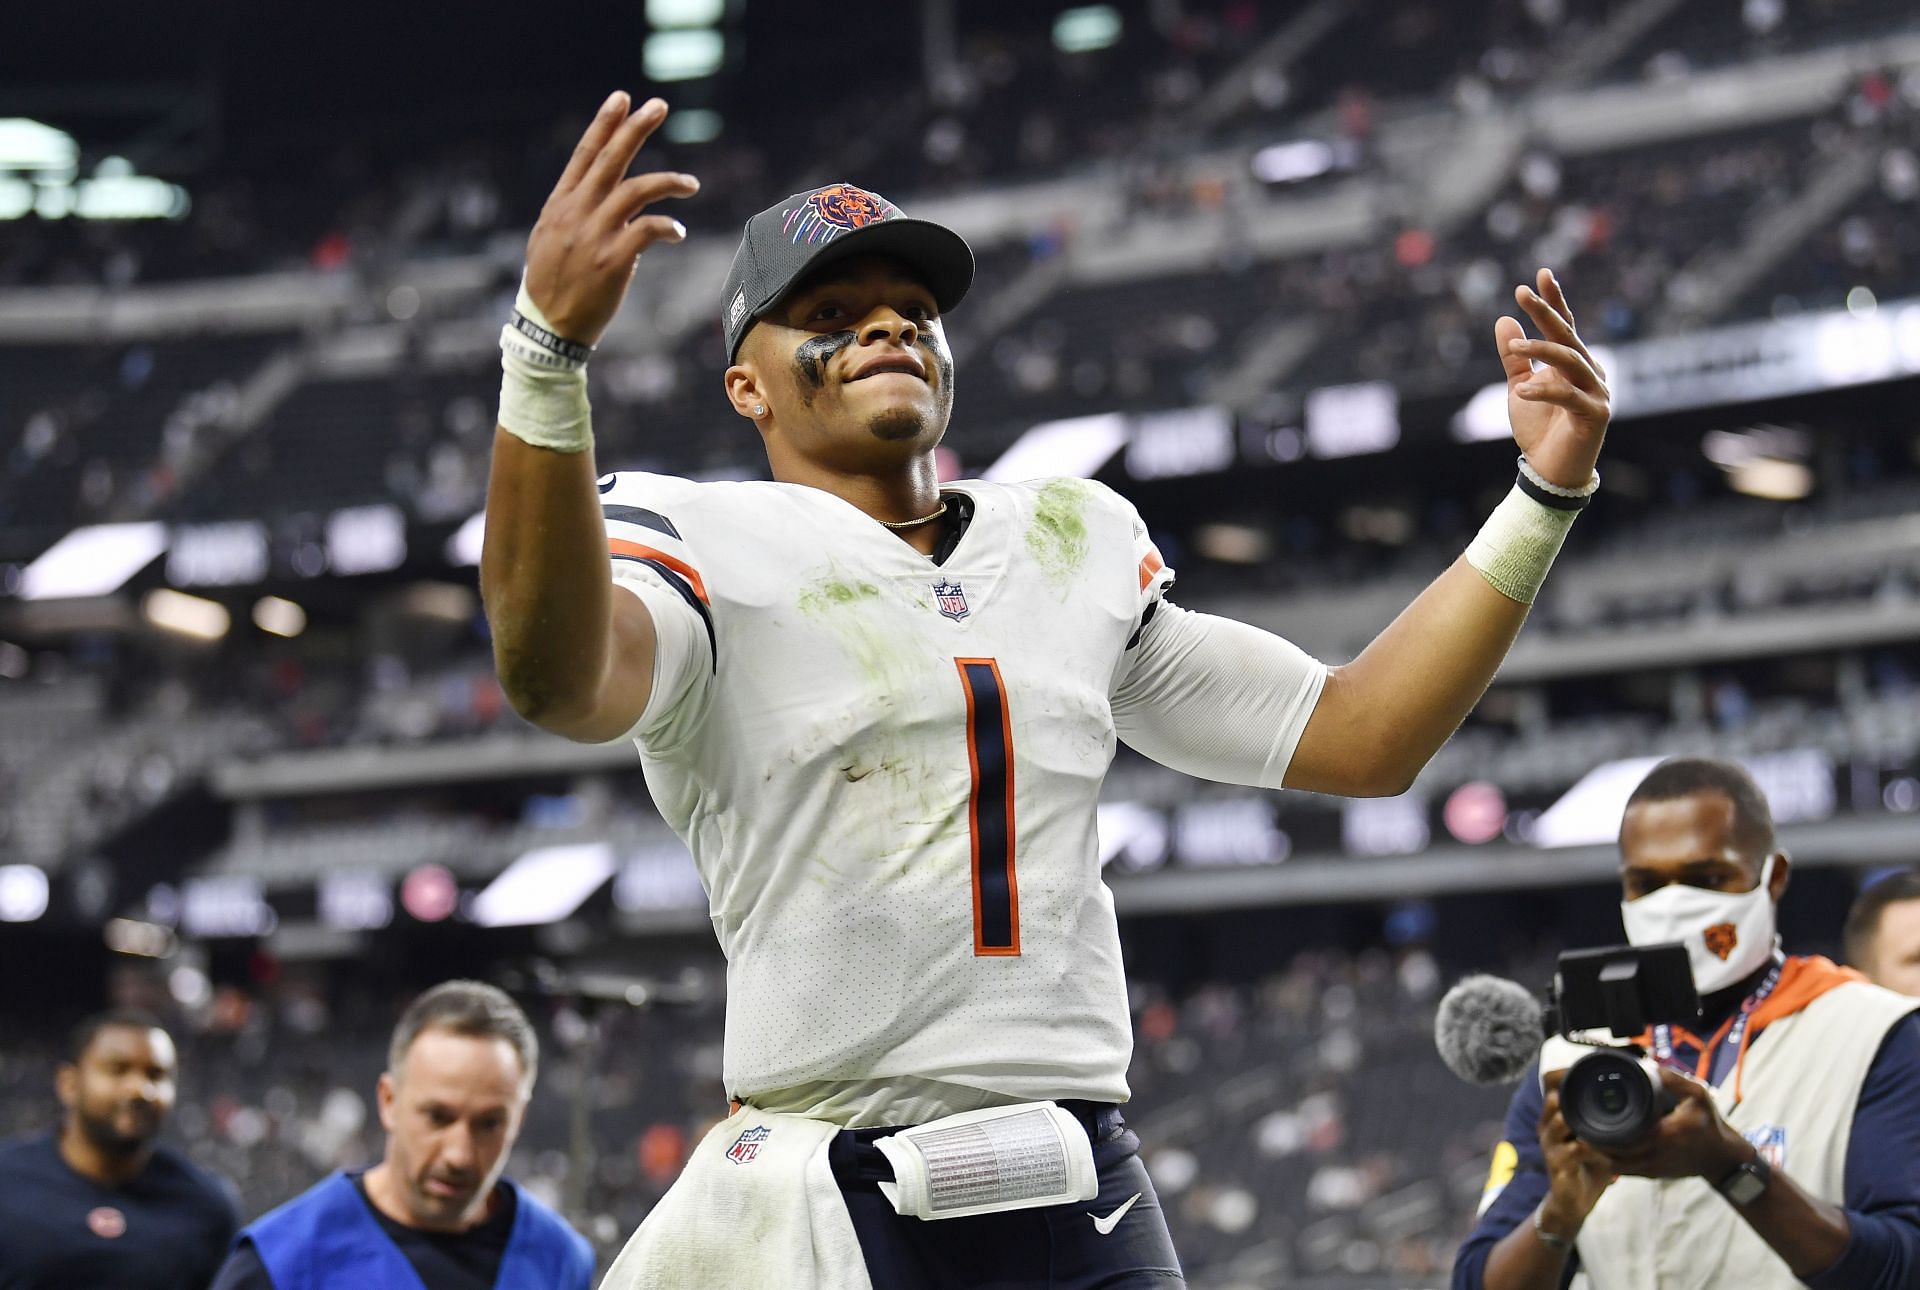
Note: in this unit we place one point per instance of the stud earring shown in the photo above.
(759, 409)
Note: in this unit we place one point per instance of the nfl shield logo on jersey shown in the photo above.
(747, 1145)
(1770, 1140)
(952, 599)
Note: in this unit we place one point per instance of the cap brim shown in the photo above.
(939, 255)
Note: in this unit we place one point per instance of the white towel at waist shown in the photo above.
(756, 1208)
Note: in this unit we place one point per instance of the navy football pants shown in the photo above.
(1056, 1248)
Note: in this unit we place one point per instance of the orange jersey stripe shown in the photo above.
(620, 546)
(1150, 564)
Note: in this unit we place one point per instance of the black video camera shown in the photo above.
(1612, 1097)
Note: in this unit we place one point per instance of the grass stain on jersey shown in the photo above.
(1057, 538)
(841, 604)
(831, 593)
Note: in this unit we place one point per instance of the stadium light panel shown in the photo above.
(195, 616)
(463, 548)
(692, 125)
(1186, 441)
(683, 55)
(366, 539)
(544, 885)
(140, 939)
(1772, 479)
(130, 197)
(1232, 543)
(685, 13)
(24, 893)
(30, 145)
(218, 555)
(279, 617)
(226, 905)
(93, 561)
(1348, 420)
(16, 198)
(1288, 163)
(1077, 446)
(1082, 30)
(661, 876)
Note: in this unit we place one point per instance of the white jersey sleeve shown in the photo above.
(1209, 696)
(653, 561)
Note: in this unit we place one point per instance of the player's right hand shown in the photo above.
(1577, 1174)
(581, 254)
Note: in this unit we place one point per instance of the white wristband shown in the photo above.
(543, 393)
(1515, 547)
(544, 406)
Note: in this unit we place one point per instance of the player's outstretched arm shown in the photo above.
(572, 657)
(1381, 717)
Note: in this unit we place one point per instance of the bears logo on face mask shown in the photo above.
(1722, 939)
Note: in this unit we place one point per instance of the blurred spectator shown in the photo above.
(1883, 932)
(99, 1202)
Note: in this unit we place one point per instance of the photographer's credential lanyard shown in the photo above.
(1733, 1032)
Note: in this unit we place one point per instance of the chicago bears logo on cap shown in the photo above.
(838, 208)
(1722, 939)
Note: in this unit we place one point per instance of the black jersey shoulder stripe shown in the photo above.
(643, 517)
(681, 585)
(1146, 616)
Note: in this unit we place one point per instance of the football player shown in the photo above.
(879, 711)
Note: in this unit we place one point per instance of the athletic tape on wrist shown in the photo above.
(544, 406)
(1516, 546)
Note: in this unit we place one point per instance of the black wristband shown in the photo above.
(572, 350)
(1558, 501)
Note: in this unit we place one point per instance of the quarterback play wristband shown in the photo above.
(1515, 547)
(543, 385)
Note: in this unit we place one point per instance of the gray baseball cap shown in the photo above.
(806, 231)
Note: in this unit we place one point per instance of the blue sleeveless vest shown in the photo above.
(327, 1237)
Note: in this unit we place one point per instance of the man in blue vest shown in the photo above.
(434, 1214)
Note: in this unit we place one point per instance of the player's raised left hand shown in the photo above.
(1558, 411)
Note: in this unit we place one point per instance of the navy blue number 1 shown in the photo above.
(996, 896)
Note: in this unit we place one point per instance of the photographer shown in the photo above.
(1793, 1154)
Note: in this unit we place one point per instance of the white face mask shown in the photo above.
(1728, 934)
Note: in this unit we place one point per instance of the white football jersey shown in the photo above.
(887, 772)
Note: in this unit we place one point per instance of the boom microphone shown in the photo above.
(1488, 1029)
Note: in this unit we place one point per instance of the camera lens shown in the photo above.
(1612, 1097)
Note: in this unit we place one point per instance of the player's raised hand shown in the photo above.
(581, 254)
(1559, 411)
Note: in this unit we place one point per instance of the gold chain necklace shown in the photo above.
(930, 517)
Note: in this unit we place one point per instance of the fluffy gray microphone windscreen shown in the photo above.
(1488, 1029)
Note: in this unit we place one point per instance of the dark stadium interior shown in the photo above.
(1266, 241)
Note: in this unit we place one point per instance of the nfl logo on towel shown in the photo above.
(952, 599)
(747, 1145)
